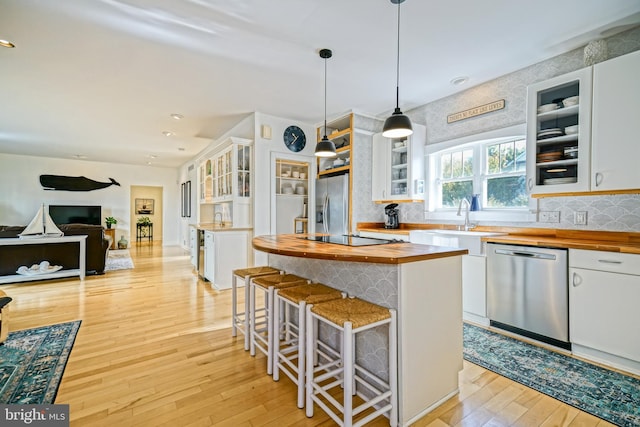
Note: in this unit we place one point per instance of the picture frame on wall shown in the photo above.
(144, 206)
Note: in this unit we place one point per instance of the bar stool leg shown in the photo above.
(347, 372)
(234, 307)
(311, 358)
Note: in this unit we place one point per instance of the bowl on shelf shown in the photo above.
(570, 130)
(547, 107)
(571, 152)
(571, 101)
(285, 174)
(338, 163)
(398, 144)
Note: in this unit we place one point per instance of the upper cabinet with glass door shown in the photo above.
(232, 171)
(397, 169)
(206, 181)
(559, 133)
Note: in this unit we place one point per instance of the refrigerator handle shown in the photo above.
(325, 216)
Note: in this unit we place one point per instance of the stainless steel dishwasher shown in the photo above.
(528, 292)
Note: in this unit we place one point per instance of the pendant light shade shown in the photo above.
(326, 147)
(397, 125)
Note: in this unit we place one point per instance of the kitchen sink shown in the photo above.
(470, 240)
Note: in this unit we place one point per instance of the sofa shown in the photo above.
(64, 254)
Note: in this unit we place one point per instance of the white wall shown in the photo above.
(21, 193)
(264, 163)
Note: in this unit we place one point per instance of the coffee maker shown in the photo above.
(391, 211)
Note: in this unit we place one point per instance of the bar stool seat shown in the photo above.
(240, 320)
(349, 316)
(292, 348)
(261, 327)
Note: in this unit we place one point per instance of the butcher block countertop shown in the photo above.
(610, 241)
(393, 253)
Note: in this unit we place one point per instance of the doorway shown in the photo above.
(146, 201)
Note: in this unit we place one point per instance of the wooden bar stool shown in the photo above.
(350, 316)
(261, 327)
(289, 355)
(239, 320)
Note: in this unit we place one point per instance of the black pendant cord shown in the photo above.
(398, 64)
(325, 98)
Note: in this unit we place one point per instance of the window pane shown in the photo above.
(445, 166)
(456, 161)
(452, 192)
(493, 159)
(467, 156)
(506, 157)
(521, 155)
(507, 192)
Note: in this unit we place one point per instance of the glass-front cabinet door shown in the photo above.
(243, 156)
(558, 133)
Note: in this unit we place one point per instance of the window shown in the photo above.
(494, 169)
(506, 174)
(456, 176)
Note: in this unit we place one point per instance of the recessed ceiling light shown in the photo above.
(152, 156)
(6, 43)
(177, 116)
(148, 163)
(457, 81)
(168, 133)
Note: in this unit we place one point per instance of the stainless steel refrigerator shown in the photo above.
(332, 205)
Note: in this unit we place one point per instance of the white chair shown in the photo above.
(289, 354)
(240, 320)
(261, 319)
(338, 370)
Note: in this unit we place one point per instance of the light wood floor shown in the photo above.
(155, 349)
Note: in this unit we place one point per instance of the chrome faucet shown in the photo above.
(221, 223)
(467, 225)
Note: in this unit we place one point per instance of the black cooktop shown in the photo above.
(347, 240)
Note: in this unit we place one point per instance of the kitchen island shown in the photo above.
(422, 282)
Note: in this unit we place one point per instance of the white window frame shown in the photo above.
(481, 141)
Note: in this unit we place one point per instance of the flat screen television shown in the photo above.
(70, 214)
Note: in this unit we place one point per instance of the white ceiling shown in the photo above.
(100, 78)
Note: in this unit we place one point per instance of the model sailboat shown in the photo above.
(41, 226)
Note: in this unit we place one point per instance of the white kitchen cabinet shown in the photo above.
(474, 288)
(397, 169)
(209, 256)
(193, 246)
(604, 321)
(615, 124)
(550, 166)
(224, 251)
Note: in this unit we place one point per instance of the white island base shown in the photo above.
(427, 295)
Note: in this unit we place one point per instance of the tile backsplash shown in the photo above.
(603, 212)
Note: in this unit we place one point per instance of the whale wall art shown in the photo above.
(73, 183)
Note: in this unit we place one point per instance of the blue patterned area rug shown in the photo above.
(32, 362)
(609, 395)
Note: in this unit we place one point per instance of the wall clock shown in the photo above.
(294, 138)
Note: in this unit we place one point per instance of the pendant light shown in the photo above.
(397, 125)
(326, 147)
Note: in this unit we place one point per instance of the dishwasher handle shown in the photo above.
(526, 254)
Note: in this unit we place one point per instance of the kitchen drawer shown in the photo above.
(605, 261)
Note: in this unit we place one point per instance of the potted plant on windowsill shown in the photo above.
(110, 221)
